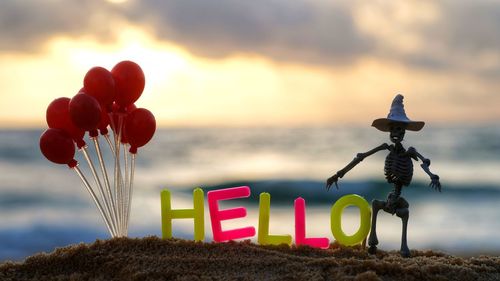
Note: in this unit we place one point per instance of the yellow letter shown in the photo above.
(264, 238)
(197, 213)
(336, 219)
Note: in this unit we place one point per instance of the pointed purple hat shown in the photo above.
(397, 114)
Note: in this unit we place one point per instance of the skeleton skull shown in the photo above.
(397, 132)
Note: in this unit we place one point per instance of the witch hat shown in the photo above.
(397, 115)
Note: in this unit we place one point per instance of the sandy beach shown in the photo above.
(152, 258)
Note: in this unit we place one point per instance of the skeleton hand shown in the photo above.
(435, 183)
(331, 180)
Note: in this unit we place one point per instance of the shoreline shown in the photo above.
(175, 259)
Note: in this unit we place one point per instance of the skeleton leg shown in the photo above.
(377, 205)
(404, 213)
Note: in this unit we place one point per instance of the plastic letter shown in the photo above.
(300, 227)
(197, 213)
(263, 237)
(336, 219)
(216, 215)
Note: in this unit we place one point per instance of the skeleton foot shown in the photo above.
(372, 250)
(405, 252)
(372, 242)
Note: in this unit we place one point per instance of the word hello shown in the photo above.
(263, 236)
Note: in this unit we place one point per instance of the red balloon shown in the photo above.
(57, 146)
(99, 83)
(129, 82)
(57, 117)
(140, 126)
(85, 112)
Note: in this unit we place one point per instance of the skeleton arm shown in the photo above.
(359, 157)
(425, 166)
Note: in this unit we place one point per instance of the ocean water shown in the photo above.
(44, 205)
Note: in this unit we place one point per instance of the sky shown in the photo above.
(259, 62)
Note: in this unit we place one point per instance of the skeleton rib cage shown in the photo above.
(398, 166)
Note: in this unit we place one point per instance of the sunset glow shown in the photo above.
(185, 87)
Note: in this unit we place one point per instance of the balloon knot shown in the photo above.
(133, 149)
(104, 131)
(80, 143)
(93, 133)
(73, 163)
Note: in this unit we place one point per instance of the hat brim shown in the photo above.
(384, 124)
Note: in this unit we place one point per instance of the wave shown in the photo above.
(284, 191)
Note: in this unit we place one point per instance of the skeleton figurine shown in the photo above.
(398, 170)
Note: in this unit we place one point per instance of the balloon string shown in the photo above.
(122, 188)
(109, 197)
(99, 185)
(118, 177)
(97, 203)
(108, 140)
(117, 193)
(130, 187)
(126, 189)
(113, 128)
(115, 153)
(112, 148)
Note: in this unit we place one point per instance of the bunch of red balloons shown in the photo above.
(104, 94)
(106, 99)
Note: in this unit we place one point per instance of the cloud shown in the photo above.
(431, 35)
(25, 26)
(435, 35)
(471, 26)
(306, 31)
(469, 34)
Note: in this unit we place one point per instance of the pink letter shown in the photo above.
(300, 227)
(216, 215)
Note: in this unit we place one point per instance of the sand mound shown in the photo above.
(155, 259)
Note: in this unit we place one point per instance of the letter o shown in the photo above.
(336, 219)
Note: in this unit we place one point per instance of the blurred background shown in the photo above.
(277, 95)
